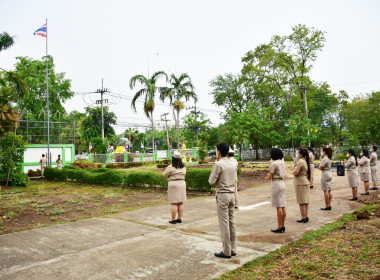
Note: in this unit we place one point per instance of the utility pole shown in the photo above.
(195, 112)
(101, 102)
(306, 112)
(166, 127)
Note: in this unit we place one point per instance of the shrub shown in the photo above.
(126, 165)
(197, 179)
(162, 165)
(340, 156)
(16, 178)
(86, 164)
(144, 179)
(288, 158)
(34, 173)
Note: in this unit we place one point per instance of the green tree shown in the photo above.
(148, 92)
(12, 88)
(91, 126)
(180, 87)
(132, 135)
(99, 146)
(12, 149)
(33, 72)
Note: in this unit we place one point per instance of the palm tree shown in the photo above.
(148, 91)
(132, 135)
(181, 87)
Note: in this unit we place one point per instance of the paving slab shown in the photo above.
(141, 244)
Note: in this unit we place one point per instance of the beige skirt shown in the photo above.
(302, 193)
(365, 177)
(176, 191)
(312, 171)
(278, 194)
(353, 179)
(326, 179)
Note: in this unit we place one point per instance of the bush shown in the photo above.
(288, 158)
(144, 179)
(16, 178)
(340, 156)
(196, 179)
(86, 164)
(162, 165)
(126, 165)
(34, 173)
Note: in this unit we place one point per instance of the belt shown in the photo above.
(325, 169)
(373, 164)
(277, 179)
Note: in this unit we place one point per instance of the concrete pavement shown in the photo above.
(142, 244)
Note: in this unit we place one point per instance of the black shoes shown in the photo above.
(304, 220)
(373, 189)
(279, 230)
(233, 254)
(311, 187)
(327, 208)
(353, 199)
(173, 222)
(222, 255)
(178, 221)
(367, 193)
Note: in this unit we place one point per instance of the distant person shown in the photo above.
(231, 155)
(176, 173)
(301, 182)
(326, 176)
(43, 162)
(223, 175)
(277, 175)
(59, 162)
(365, 170)
(372, 163)
(352, 174)
(311, 160)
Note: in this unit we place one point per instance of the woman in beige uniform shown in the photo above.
(59, 162)
(365, 170)
(301, 183)
(277, 174)
(352, 173)
(372, 163)
(176, 173)
(326, 176)
(311, 160)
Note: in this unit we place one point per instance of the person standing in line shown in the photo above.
(277, 175)
(301, 182)
(365, 170)
(311, 159)
(231, 155)
(176, 173)
(223, 175)
(372, 163)
(43, 162)
(59, 162)
(352, 174)
(326, 177)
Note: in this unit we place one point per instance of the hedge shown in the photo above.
(126, 165)
(196, 179)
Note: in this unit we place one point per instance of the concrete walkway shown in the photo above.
(142, 244)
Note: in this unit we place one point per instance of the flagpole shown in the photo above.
(47, 97)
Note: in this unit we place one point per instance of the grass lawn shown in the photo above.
(346, 249)
(48, 202)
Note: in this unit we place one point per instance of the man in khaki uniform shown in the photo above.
(43, 162)
(372, 163)
(223, 175)
(230, 155)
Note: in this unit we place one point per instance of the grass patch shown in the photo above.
(345, 249)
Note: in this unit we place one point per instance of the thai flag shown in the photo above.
(142, 145)
(155, 147)
(108, 147)
(90, 147)
(41, 31)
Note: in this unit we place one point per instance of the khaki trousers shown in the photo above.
(373, 176)
(236, 196)
(42, 170)
(225, 206)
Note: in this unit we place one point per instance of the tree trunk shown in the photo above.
(151, 119)
(257, 149)
(178, 128)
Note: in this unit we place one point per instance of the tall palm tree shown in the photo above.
(181, 87)
(148, 92)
